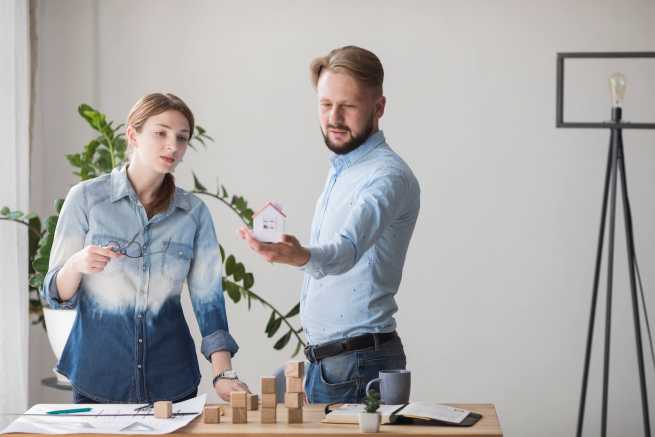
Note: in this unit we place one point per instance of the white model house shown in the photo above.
(268, 224)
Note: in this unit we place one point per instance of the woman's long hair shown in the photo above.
(146, 107)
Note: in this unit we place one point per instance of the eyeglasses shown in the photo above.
(134, 249)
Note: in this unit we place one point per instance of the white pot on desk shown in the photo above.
(59, 324)
(369, 422)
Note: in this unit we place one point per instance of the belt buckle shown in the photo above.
(309, 354)
(344, 346)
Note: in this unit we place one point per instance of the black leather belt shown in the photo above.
(325, 350)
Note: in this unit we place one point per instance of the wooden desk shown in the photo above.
(488, 426)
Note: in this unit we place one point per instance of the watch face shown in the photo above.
(231, 374)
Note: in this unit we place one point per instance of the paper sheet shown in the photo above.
(426, 410)
(98, 421)
(349, 413)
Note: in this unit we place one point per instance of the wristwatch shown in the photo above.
(225, 374)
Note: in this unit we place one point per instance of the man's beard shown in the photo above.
(351, 145)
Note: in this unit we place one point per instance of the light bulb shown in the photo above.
(617, 89)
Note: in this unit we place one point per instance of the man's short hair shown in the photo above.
(359, 63)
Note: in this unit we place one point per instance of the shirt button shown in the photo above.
(145, 246)
(139, 366)
(140, 340)
(140, 316)
(145, 267)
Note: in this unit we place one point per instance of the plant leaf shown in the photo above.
(297, 349)
(230, 264)
(239, 272)
(295, 310)
(58, 204)
(282, 341)
(232, 291)
(270, 322)
(196, 183)
(275, 326)
(15, 215)
(248, 281)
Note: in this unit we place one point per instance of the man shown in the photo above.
(361, 229)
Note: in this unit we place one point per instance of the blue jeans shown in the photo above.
(79, 398)
(343, 377)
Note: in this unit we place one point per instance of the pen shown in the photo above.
(72, 410)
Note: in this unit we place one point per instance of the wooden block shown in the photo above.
(269, 400)
(268, 384)
(239, 399)
(253, 402)
(294, 385)
(294, 400)
(239, 415)
(295, 369)
(294, 415)
(163, 409)
(268, 415)
(212, 415)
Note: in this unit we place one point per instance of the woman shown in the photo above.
(124, 245)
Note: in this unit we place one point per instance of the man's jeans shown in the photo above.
(343, 378)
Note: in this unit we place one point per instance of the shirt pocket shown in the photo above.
(176, 261)
(115, 265)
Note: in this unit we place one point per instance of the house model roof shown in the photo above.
(271, 204)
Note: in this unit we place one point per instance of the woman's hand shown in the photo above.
(224, 387)
(92, 259)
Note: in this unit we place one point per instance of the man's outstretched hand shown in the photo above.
(288, 251)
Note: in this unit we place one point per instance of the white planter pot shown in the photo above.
(59, 324)
(369, 422)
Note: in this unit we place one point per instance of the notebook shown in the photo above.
(417, 413)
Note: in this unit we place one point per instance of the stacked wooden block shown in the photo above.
(253, 402)
(163, 409)
(212, 414)
(294, 397)
(239, 404)
(269, 400)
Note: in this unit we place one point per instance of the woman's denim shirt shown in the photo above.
(130, 341)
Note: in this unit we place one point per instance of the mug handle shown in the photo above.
(371, 382)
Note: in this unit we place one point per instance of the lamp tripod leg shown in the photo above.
(630, 242)
(610, 281)
(594, 295)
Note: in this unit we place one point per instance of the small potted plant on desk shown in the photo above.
(369, 420)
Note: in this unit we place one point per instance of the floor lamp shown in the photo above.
(615, 174)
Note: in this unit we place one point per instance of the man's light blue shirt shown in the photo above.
(362, 225)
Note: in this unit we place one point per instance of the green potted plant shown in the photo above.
(369, 419)
(101, 155)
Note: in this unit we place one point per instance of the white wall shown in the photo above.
(495, 298)
(14, 191)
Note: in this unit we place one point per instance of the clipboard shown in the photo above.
(397, 418)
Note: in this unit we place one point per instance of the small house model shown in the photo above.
(268, 225)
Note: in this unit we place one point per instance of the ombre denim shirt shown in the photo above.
(130, 341)
(362, 225)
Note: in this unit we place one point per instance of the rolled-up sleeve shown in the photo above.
(206, 290)
(70, 233)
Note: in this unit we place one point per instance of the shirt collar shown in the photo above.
(340, 162)
(121, 187)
